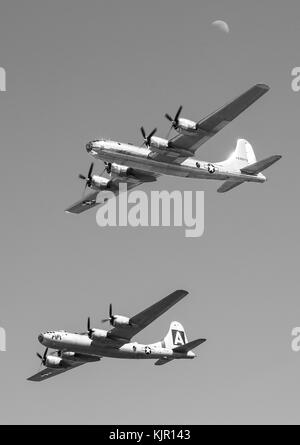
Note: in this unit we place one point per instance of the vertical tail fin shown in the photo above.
(175, 337)
(241, 157)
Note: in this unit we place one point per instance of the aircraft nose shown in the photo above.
(89, 146)
(41, 338)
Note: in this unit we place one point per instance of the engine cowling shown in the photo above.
(120, 170)
(55, 362)
(120, 320)
(68, 355)
(98, 334)
(73, 357)
(99, 182)
(186, 126)
(159, 143)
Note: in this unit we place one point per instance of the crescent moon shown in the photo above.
(223, 26)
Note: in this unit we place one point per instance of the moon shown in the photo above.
(223, 26)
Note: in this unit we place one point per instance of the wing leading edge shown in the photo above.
(141, 320)
(47, 373)
(90, 200)
(213, 123)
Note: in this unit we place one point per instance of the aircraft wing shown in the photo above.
(92, 199)
(163, 361)
(142, 319)
(86, 203)
(212, 124)
(47, 373)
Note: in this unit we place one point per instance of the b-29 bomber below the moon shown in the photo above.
(134, 165)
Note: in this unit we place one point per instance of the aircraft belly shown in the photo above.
(154, 166)
(117, 353)
(185, 169)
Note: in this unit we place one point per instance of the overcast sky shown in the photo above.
(78, 70)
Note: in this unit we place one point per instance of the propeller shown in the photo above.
(43, 357)
(111, 316)
(147, 139)
(174, 121)
(89, 330)
(107, 167)
(88, 178)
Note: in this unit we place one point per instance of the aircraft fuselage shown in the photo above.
(107, 347)
(157, 162)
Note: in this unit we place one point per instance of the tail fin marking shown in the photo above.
(176, 336)
(242, 156)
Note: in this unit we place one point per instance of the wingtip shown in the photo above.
(263, 86)
(182, 291)
(276, 158)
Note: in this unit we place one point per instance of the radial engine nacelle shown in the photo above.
(159, 143)
(55, 362)
(186, 126)
(181, 125)
(98, 334)
(99, 183)
(120, 170)
(120, 320)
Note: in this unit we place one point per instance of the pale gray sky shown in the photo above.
(78, 70)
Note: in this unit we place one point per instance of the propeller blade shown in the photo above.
(147, 139)
(89, 330)
(178, 113)
(43, 357)
(87, 179)
(111, 316)
(143, 132)
(151, 134)
(45, 354)
(90, 170)
(174, 121)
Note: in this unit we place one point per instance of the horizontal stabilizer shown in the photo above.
(228, 185)
(189, 346)
(259, 166)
